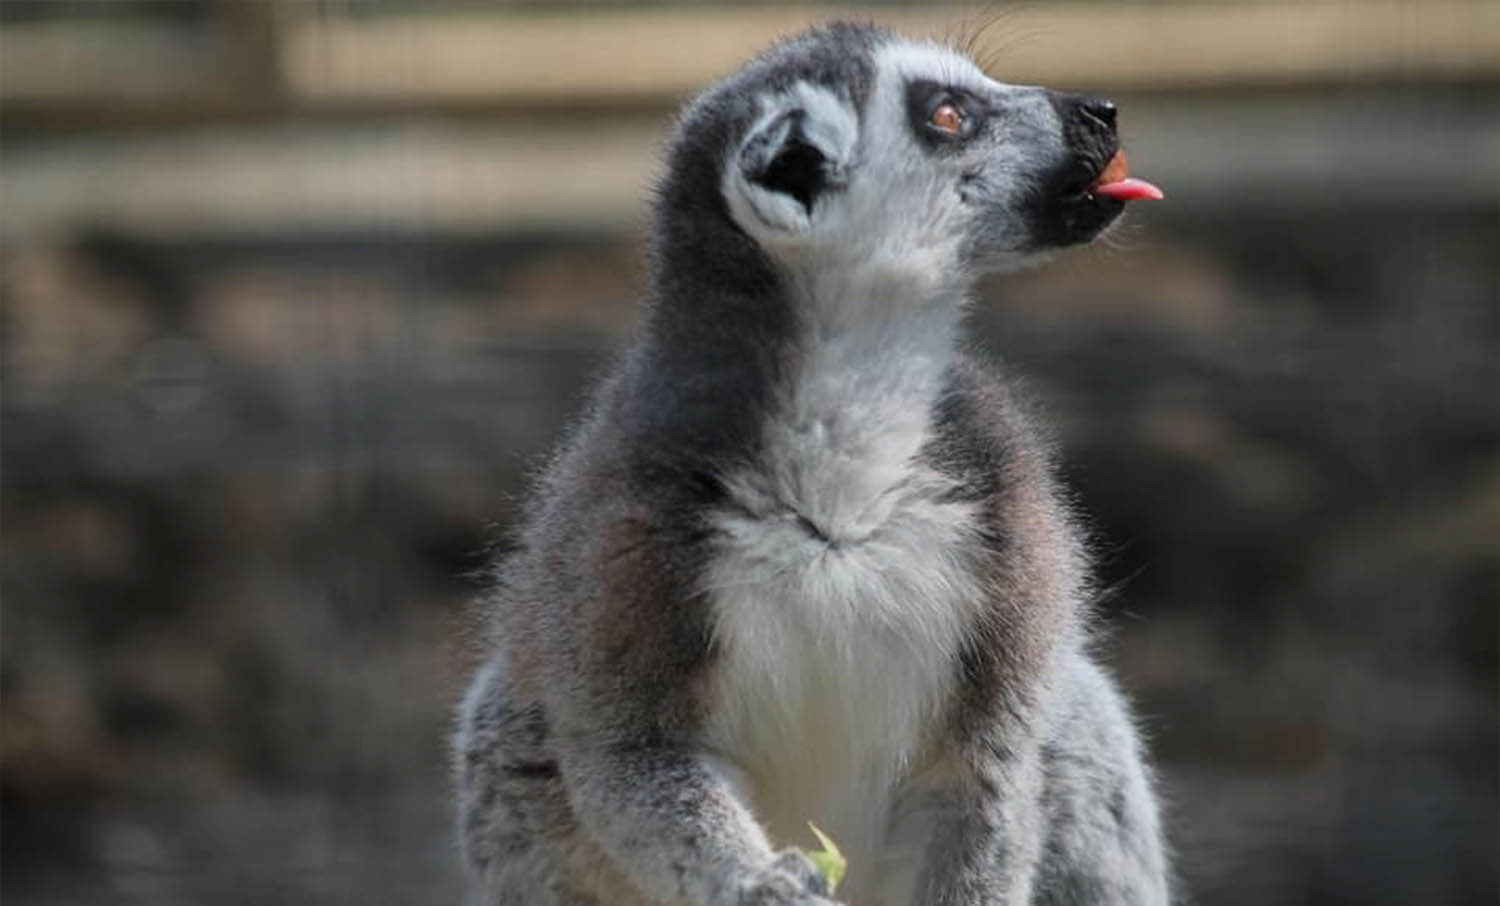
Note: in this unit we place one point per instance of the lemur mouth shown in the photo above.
(1113, 181)
(1088, 194)
(1116, 182)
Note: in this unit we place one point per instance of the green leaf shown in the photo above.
(829, 860)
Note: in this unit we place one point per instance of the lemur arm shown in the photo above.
(986, 846)
(672, 823)
(662, 808)
(1104, 843)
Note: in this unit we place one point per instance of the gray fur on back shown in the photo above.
(803, 559)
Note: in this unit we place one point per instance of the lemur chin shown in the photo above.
(804, 559)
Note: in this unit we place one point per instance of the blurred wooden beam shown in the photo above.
(665, 54)
(71, 62)
(110, 71)
(285, 58)
(339, 177)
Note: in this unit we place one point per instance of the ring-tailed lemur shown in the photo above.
(804, 559)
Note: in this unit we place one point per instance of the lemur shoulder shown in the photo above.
(804, 559)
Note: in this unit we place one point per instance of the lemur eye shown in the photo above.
(949, 118)
(943, 116)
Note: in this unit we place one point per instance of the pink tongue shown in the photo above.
(1130, 189)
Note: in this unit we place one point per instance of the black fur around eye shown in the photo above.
(940, 114)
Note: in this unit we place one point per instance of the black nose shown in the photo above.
(1088, 128)
(1101, 110)
(1086, 118)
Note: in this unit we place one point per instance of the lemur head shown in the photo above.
(848, 147)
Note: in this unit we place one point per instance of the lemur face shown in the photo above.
(937, 166)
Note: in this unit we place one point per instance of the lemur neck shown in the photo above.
(816, 391)
(885, 346)
(854, 409)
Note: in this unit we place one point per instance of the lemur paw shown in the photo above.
(791, 880)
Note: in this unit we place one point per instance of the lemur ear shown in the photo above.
(794, 155)
(782, 157)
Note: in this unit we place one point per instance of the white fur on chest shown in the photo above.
(842, 590)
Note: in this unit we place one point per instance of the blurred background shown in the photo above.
(296, 292)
